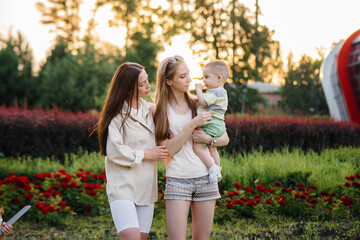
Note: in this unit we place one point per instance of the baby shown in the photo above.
(215, 101)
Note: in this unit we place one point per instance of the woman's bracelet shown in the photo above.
(213, 141)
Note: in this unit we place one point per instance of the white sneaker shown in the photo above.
(215, 174)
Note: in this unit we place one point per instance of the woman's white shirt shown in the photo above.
(128, 176)
(185, 163)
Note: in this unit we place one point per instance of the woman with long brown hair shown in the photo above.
(127, 138)
(187, 178)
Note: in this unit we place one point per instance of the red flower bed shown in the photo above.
(298, 202)
(54, 196)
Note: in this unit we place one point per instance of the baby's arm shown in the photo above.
(200, 95)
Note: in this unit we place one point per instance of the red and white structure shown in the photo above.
(340, 73)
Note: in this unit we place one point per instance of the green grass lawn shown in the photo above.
(270, 227)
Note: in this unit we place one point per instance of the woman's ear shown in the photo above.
(168, 82)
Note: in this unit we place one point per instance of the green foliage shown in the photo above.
(302, 90)
(75, 82)
(64, 17)
(18, 85)
(227, 31)
(236, 96)
(8, 74)
(144, 45)
(327, 169)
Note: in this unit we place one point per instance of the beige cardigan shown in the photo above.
(128, 176)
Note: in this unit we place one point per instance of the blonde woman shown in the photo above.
(187, 178)
(127, 138)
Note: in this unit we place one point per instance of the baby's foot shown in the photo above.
(214, 174)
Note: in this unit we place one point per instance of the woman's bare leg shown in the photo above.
(130, 234)
(202, 219)
(177, 212)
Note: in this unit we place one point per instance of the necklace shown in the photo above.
(180, 108)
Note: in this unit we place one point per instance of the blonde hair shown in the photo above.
(166, 71)
(219, 67)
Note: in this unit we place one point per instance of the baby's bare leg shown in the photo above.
(215, 155)
(204, 154)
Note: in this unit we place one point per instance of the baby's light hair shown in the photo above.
(219, 67)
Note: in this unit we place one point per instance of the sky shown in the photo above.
(301, 26)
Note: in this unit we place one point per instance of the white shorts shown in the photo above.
(128, 215)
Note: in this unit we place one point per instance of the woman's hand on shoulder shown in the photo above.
(158, 153)
(202, 119)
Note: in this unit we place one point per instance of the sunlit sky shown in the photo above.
(300, 26)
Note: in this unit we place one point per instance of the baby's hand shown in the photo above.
(199, 86)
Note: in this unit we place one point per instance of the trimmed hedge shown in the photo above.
(270, 133)
(40, 133)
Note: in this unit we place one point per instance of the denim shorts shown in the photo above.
(191, 189)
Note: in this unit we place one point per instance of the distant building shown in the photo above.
(271, 94)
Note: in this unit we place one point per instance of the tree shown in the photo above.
(64, 16)
(227, 30)
(302, 90)
(9, 74)
(76, 82)
(17, 81)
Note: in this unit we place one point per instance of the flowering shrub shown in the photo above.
(54, 196)
(297, 202)
(270, 133)
(54, 133)
(45, 133)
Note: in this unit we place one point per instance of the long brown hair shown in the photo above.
(163, 93)
(123, 87)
